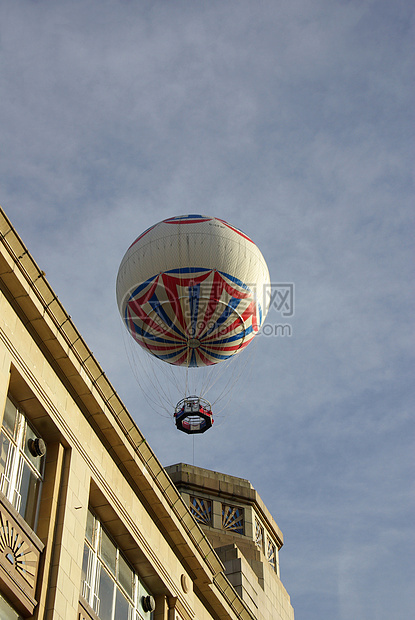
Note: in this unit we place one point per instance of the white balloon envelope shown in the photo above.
(192, 290)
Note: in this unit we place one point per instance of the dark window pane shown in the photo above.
(85, 586)
(29, 491)
(125, 576)
(106, 595)
(121, 606)
(89, 533)
(108, 551)
(9, 418)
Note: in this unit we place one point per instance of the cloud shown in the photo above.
(290, 120)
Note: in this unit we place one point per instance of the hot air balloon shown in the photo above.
(192, 291)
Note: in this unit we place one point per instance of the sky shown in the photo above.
(292, 120)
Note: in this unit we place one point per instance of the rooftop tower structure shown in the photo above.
(243, 533)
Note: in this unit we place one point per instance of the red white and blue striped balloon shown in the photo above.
(192, 290)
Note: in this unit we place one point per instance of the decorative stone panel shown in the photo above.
(259, 535)
(201, 509)
(20, 551)
(272, 554)
(233, 518)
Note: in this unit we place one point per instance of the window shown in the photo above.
(21, 463)
(109, 584)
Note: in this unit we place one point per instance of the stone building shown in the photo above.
(92, 527)
(243, 533)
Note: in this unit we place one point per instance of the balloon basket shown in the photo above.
(193, 415)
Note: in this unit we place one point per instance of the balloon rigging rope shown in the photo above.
(155, 405)
(237, 373)
(132, 357)
(186, 387)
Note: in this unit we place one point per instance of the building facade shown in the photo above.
(92, 527)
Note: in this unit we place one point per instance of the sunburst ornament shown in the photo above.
(233, 519)
(17, 552)
(201, 509)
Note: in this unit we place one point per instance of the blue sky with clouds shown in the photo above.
(293, 121)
